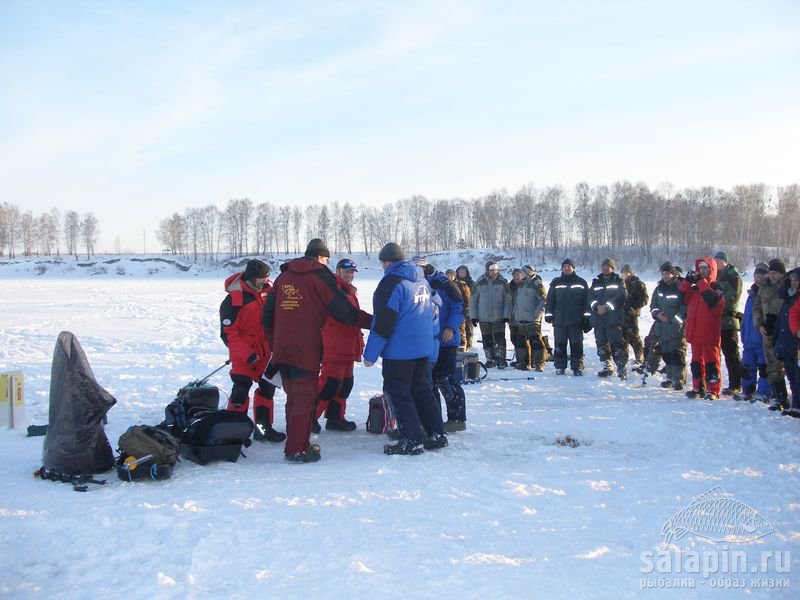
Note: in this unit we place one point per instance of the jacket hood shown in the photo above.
(786, 285)
(406, 270)
(237, 283)
(711, 263)
(302, 265)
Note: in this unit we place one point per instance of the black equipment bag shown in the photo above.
(192, 401)
(216, 435)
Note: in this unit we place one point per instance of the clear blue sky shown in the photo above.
(136, 110)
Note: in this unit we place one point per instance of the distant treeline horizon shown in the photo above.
(627, 221)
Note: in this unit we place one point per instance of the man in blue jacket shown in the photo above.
(402, 333)
(451, 316)
(755, 385)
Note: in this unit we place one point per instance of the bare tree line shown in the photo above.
(625, 220)
(43, 235)
(628, 221)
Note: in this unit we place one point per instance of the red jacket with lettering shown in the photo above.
(341, 341)
(297, 307)
(705, 302)
(240, 326)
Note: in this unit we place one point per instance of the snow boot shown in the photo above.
(339, 425)
(311, 454)
(404, 446)
(607, 370)
(435, 442)
(454, 426)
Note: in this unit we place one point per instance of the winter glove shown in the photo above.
(474, 322)
(587, 327)
(505, 321)
(252, 358)
(548, 319)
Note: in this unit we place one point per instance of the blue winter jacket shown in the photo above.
(436, 300)
(751, 337)
(451, 313)
(403, 315)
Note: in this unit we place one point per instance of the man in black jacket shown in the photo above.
(567, 311)
(607, 298)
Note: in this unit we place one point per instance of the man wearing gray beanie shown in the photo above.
(403, 334)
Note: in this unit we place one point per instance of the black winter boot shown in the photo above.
(263, 431)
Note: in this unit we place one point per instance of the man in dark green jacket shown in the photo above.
(731, 284)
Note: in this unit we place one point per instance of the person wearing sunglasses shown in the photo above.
(342, 345)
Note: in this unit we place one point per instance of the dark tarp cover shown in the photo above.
(76, 441)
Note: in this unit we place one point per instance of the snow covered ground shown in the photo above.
(503, 512)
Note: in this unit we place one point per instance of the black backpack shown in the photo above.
(192, 401)
(380, 418)
(216, 435)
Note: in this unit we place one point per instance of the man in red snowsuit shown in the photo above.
(342, 345)
(303, 296)
(705, 302)
(249, 352)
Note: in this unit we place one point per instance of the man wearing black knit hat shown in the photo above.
(766, 307)
(248, 350)
(567, 310)
(755, 385)
(607, 297)
(731, 282)
(303, 296)
(669, 337)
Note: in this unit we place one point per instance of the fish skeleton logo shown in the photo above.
(715, 516)
(291, 292)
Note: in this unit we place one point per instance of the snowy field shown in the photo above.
(503, 512)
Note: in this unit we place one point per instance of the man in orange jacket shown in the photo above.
(342, 345)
